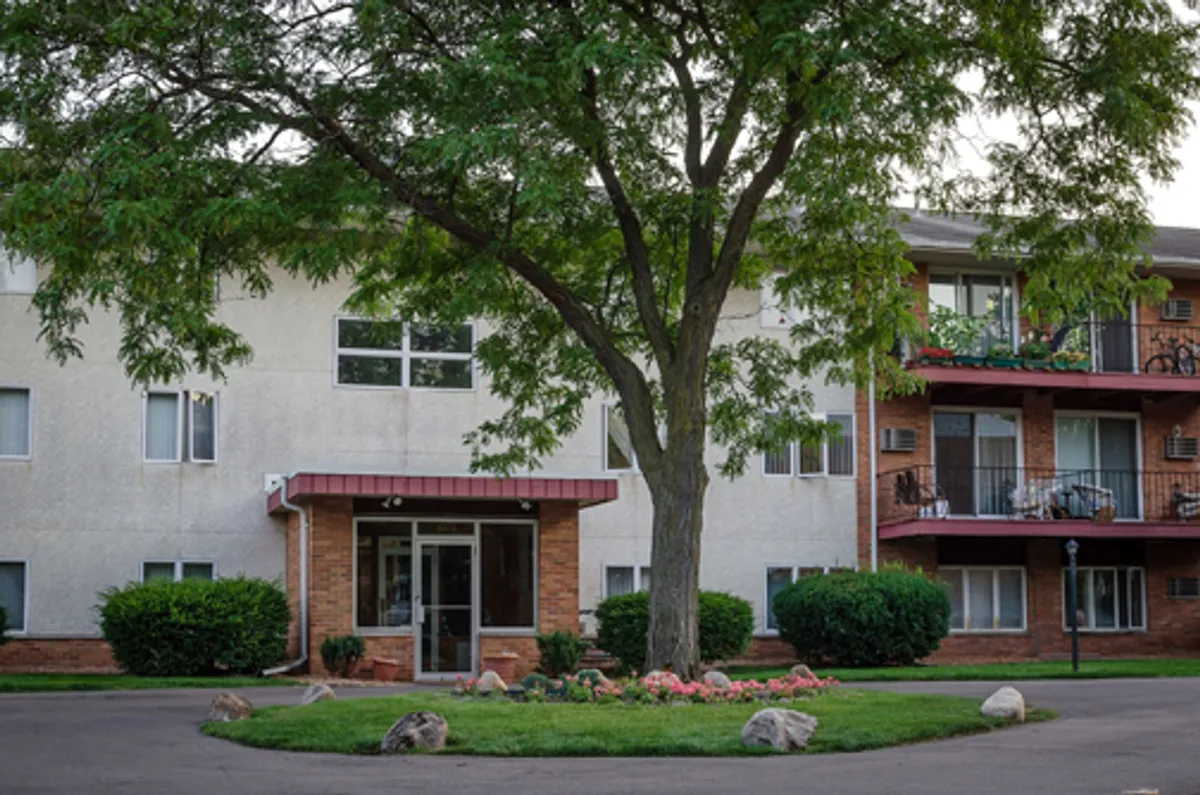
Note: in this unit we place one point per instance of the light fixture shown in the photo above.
(395, 501)
(525, 506)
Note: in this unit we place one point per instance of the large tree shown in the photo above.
(592, 178)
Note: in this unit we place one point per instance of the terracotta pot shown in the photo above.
(504, 664)
(384, 670)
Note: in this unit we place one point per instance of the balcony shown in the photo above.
(925, 500)
(1113, 355)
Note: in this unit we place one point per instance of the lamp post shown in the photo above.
(1072, 603)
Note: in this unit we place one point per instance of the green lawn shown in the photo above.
(50, 683)
(850, 720)
(1088, 669)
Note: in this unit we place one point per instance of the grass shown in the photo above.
(850, 720)
(1088, 669)
(53, 683)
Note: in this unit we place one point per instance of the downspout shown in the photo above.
(303, 658)
(874, 465)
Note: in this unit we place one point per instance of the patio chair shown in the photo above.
(1036, 498)
(1187, 503)
(910, 491)
(1098, 501)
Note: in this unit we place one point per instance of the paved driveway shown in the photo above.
(1113, 736)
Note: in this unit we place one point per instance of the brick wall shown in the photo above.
(331, 572)
(57, 655)
(558, 567)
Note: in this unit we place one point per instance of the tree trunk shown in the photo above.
(678, 497)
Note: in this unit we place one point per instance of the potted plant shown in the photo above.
(1001, 355)
(341, 655)
(932, 355)
(949, 330)
(1070, 360)
(1036, 350)
(384, 669)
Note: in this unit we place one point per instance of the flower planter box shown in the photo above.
(1005, 362)
(943, 361)
(1086, 365)
(1037, 364)
(969, 361)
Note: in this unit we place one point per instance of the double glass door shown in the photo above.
(975, 455)
(1100, 452)
(445, 606)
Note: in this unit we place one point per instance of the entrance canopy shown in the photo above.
(583, 491)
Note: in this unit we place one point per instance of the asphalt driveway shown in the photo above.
(1113, 736)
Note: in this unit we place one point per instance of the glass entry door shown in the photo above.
(1100, 452)
(975, 460)
(445, 608)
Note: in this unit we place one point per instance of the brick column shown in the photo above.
(558, 567)
(331, 572)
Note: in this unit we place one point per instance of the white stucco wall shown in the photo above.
(85, 510)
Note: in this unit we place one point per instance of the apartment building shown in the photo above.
(1091, 436)
(335, 461)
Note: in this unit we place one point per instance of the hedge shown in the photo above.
(195, 627)
(726, 627)
(889, 617)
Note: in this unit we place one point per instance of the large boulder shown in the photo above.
(716, 679)
(315, 693)
(803, 671)
(227, 707)
(783, 729)
(415, 730)
(662, 677)
(594, 676)
(1007, 702)
(491, 681)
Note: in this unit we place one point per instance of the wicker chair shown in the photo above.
(1036, 498)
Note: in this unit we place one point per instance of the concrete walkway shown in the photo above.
(1113, 736)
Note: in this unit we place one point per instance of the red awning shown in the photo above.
(1027, 528)
(585, 491)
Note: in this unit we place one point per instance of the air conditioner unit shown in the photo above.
(899, 440)
(1183, 447)
(1176, 309)
(1183, 587)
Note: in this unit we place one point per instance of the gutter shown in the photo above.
(303, 658)
(873, 467)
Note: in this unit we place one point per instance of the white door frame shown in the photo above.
(419, 542)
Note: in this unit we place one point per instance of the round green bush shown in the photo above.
(726, 627)
(340, 655)
(537, 680)
(195, 627)
(889, 617)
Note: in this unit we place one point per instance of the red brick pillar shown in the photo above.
(331, 572)
(558, 566)
(1043, 594)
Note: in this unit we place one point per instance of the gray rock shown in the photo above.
(716, 679)
(662, 676)
(227, 707)
(783, 729)
(315, 693)
(491, 681)
(803, 671)
(415, 730)
(594, 675)
(1007, 702)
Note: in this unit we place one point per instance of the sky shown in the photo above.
(1178, 204)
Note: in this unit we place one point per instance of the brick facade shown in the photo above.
(57, 655)
(331, 586)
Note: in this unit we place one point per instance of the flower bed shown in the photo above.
(662, 688)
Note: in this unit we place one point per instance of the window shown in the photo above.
(15, 425)
(393, 354)
(162, 433)
(169, 431)
(14, 590)
(177, 570)
(618, 444)
(780, 577)
(834, 456)
(202, 421)
(620, 580)
(1108, 599)
(1183, 587)
(985, 599)
(384, 574)
(17, 274)
(507, 581)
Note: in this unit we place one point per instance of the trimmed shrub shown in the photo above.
(726, 627)
(559, 652)
(341, 655)
(540, 681)
(889, 617)
(195, 627)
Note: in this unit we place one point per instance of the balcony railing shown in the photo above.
(1116, 346)
(925, 491)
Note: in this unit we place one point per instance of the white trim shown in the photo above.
(179, 440)
(24, 630)
(1089, 610)
(471, 542)
(853, 442)
(29, 412)
(1138, 464)
(191, 425)
(178, 563)
(405, 354)
(637, 576)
